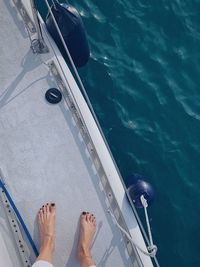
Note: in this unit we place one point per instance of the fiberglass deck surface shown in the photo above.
(42, 154)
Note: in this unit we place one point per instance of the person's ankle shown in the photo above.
(48, 242)
(84, 252)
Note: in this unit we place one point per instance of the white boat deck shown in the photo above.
(44, 157)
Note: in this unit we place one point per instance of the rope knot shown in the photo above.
(152, 249)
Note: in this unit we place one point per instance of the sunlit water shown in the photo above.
(143, 82)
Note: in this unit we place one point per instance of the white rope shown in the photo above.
(145, 205)
(151, 253)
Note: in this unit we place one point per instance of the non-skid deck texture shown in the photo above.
(42, 154)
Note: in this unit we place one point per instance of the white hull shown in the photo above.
(47, 154)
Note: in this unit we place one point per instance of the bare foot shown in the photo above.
(46, 223)
(87, 231)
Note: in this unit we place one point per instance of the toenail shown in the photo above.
(47, 204)
(43, 206)
(52, 204)
(92, 214)
(83, 212)
(87, 212)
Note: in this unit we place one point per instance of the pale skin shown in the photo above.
(46, 224)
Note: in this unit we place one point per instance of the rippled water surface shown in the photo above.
(143, 82)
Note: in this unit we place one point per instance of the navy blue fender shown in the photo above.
(73, 31)
(138, 188)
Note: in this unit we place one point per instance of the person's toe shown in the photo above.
(44, 209)
(88, 216)
(52, 208)
(83, 216)
(40, 216)
(92, 218)
(47, 208)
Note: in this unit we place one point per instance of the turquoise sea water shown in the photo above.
(143, 82)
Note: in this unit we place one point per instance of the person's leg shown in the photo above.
(46, 224)
(87, 231)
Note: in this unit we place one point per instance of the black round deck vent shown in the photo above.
(53, 96)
